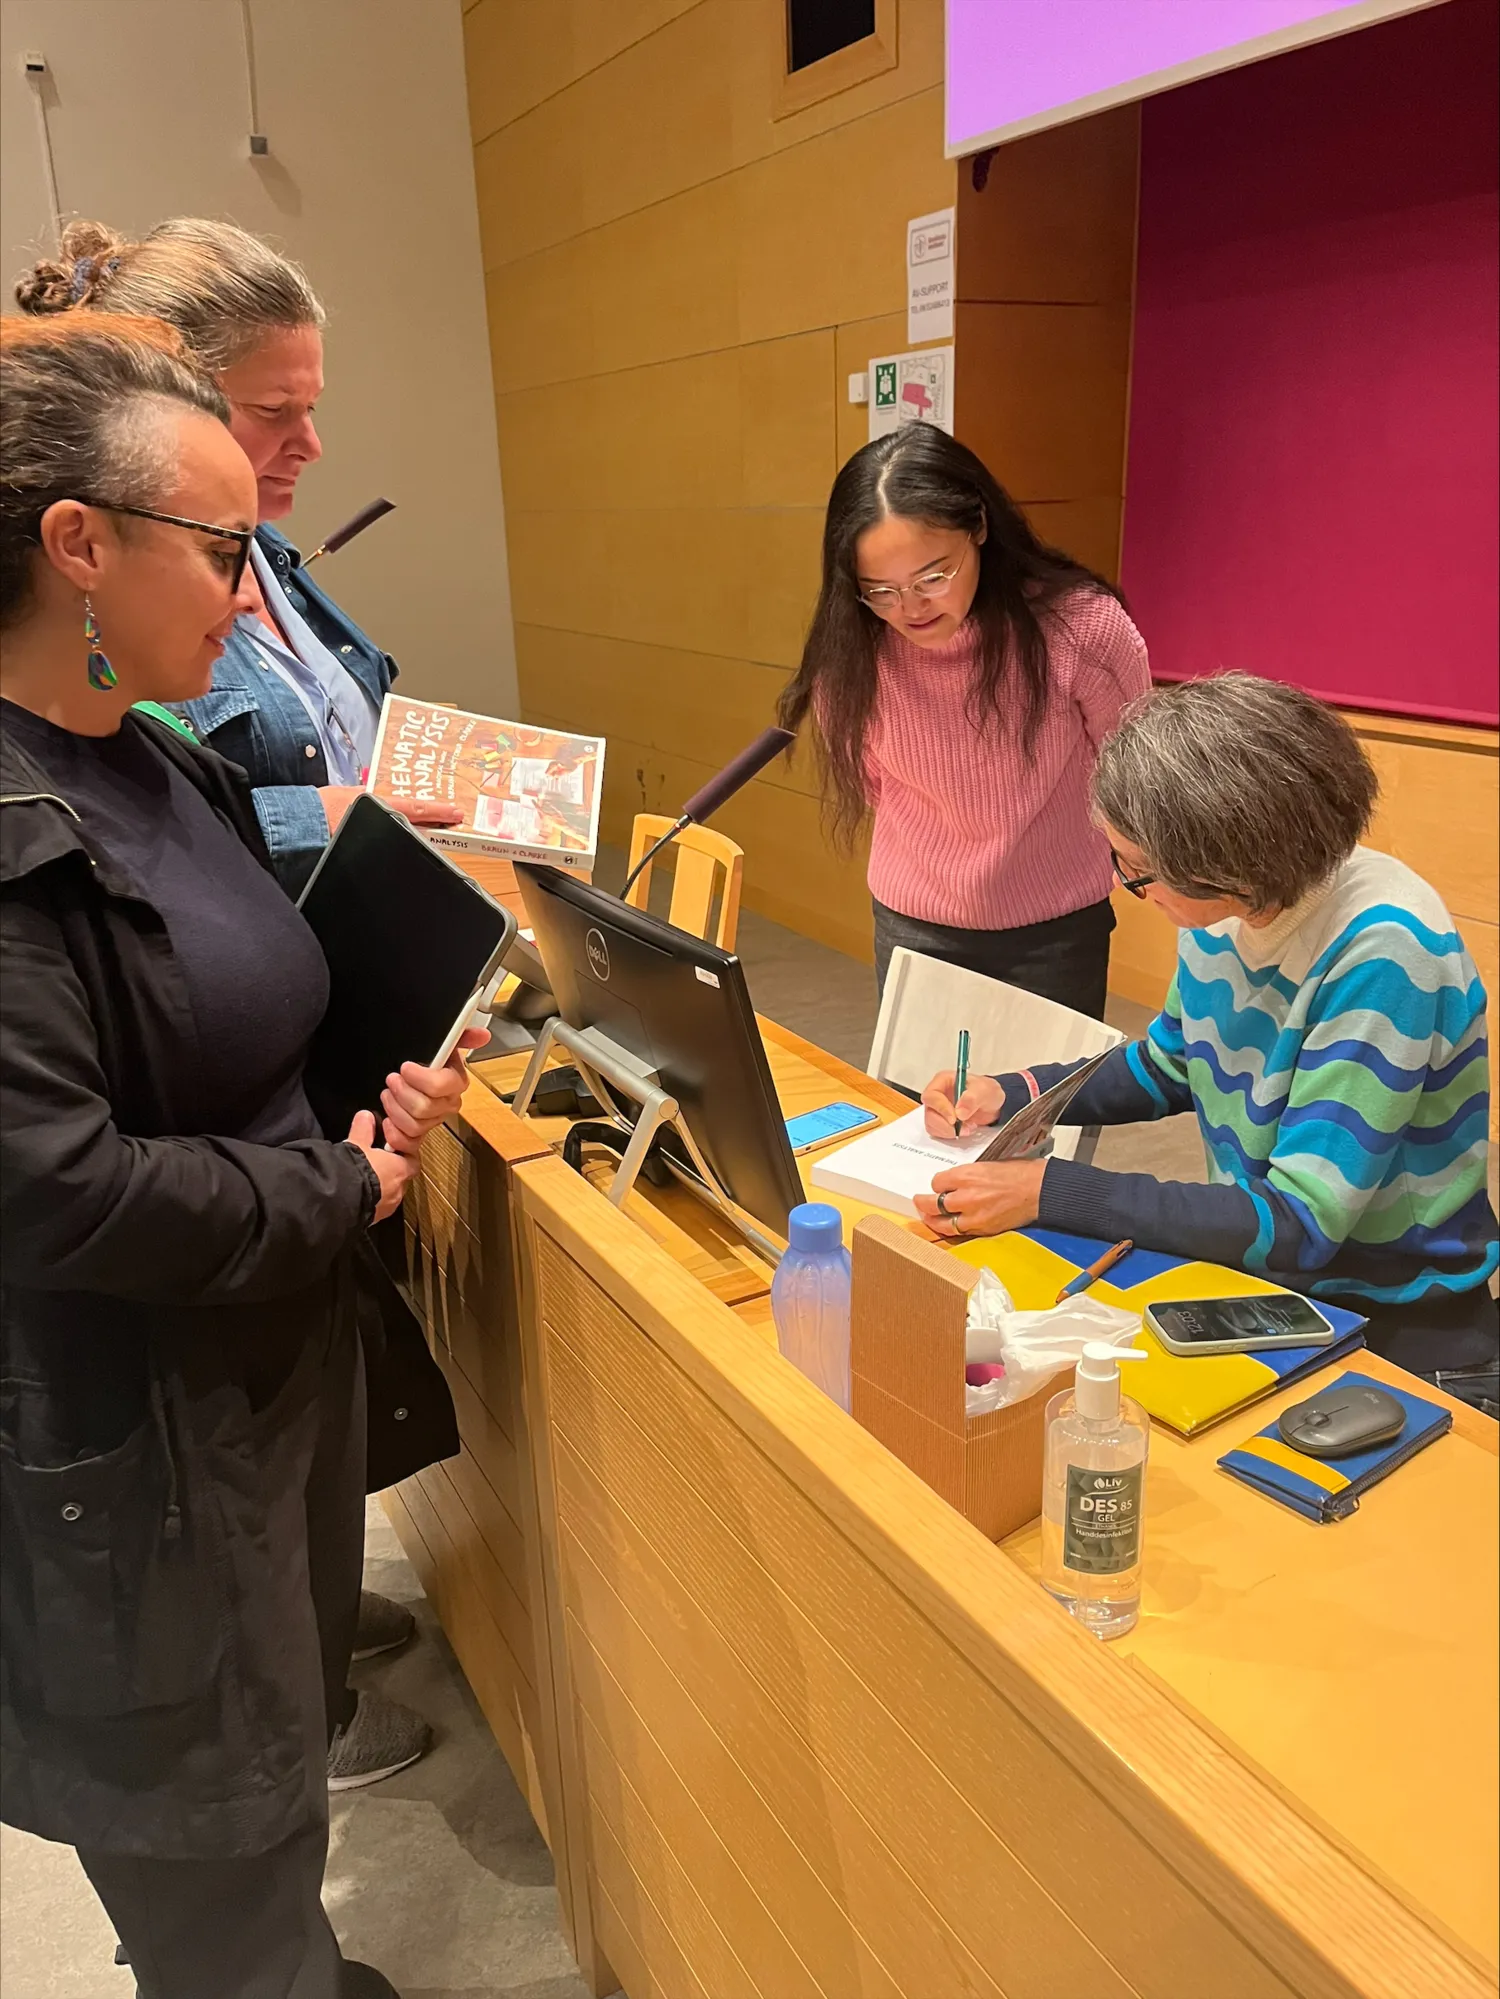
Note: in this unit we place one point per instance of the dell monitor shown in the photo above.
(680, 1005)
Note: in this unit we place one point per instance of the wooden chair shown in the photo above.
(926, 1002)
(703, 856)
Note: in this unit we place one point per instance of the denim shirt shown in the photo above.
(254, 718)
(343, 715)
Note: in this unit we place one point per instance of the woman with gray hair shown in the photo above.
(1325, 1024)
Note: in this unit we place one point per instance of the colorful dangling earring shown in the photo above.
(102, 675)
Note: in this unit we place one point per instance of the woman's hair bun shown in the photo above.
(86, 257)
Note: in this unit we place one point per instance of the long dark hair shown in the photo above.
(920, 473)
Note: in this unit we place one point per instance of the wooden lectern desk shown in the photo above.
(794, 1729)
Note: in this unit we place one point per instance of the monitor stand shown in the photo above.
(604, 1062)
(515, 1022)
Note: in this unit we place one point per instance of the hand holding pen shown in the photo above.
(961, 1110)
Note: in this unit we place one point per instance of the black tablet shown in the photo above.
(412, 947)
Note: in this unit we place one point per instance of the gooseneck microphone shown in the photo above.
(366, 517)
(709, 797)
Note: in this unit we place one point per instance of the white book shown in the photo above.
(890, 1166)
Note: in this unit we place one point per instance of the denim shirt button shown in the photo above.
(310, 750)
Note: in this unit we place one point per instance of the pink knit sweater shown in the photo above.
(970, 829)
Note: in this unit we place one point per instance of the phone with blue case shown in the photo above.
(821, 1127)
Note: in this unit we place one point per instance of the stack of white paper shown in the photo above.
(889, 1167)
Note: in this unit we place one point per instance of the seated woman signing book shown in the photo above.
(1326, 1025)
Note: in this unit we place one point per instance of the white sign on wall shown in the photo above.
(911, 388)
(929, 277)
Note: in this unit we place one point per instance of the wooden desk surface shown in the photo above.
(1354, 1666)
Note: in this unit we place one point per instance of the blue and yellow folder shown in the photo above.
(1186, 1394)
(1324, 1489)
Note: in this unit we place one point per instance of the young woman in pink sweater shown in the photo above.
(962, 675)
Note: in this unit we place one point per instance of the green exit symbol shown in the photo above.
(885, 385)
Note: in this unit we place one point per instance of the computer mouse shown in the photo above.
(1341, 1420)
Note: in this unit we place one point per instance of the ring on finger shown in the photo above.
(943, 1208)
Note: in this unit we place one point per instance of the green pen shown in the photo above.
(960, 1077)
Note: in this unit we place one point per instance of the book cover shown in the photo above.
(526, 793)
(1028, 1129)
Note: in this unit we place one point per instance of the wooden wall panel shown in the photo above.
(684, 702)
(1042, 391)
(735, 581)
(675, 279)
(1087, 529)
(763, 125)
(647, 288)
(749, 425)
(518, 55)
(555, 187)
(823, 225)
(1439, 809)
(1055, 220)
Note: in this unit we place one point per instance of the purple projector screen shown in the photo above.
(1016, 66)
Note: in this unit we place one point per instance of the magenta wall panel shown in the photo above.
(1312, 479)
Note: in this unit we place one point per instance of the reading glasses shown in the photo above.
(1137, 885)
(886, 599)
(243, 536)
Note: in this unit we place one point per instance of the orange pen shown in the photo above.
(1106, 1263)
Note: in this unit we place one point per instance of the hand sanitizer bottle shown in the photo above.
(1093, 1494)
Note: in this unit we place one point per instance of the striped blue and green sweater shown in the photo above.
(1337, 1063)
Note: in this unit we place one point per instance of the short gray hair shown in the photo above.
(1248, 784)
(223, 289)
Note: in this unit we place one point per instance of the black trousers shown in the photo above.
(1064, 959)
(255, 1928)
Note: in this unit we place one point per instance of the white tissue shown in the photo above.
(1032, 1347)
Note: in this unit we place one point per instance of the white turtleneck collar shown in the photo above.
(1266, 943)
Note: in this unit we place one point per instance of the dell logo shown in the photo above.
(598, 953)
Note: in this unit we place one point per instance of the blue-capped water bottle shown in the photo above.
(810, 1298)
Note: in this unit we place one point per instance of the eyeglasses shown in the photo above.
(886, 599)
(1137, 885)
(243, 536)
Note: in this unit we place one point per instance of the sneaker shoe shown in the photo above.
(383, 1625)
(380, 1738)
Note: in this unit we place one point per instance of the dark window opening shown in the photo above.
(818, 28)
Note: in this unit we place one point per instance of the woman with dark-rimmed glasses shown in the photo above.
(960, 675)
(294, 700)
(187, 1260)
(1326, 1025)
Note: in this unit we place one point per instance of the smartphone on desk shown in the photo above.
(814, 1128)
(1238, 1325)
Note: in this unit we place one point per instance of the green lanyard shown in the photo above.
(159, 714)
